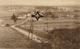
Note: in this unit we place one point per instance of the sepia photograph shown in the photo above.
(39, 24)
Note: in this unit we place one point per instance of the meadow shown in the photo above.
(58, 29)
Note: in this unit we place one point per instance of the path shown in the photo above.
(10, 38)
(35, 37)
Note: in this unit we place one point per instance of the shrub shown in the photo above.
(65, 38)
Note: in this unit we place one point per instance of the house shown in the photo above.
(1, 22)
(70, 15)
(22, 16)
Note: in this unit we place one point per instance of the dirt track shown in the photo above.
(10, 38)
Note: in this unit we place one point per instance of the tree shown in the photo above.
(14, 18)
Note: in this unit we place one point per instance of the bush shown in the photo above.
(65, 38)
(7, 25)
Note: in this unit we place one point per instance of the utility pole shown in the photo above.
(31, 29)
(47, 24)
(37, 16)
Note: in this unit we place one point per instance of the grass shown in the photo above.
(10, 38)
(40, 27)
(64, 35)
(65, 38)
(62, 38)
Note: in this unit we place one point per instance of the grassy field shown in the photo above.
(10, 38)
(7, 11)
(39, 27)
(63, 34)
(65, 38)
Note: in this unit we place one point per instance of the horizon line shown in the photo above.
(39, 5)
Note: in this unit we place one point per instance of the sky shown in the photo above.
(40, 2)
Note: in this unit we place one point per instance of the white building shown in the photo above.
(23, 16)
(1, 22)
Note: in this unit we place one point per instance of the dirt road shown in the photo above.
(10, 38)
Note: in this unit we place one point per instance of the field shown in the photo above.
(45, 27)
(10, 38)
(7, 11)
(42, 26)
(62, 33)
